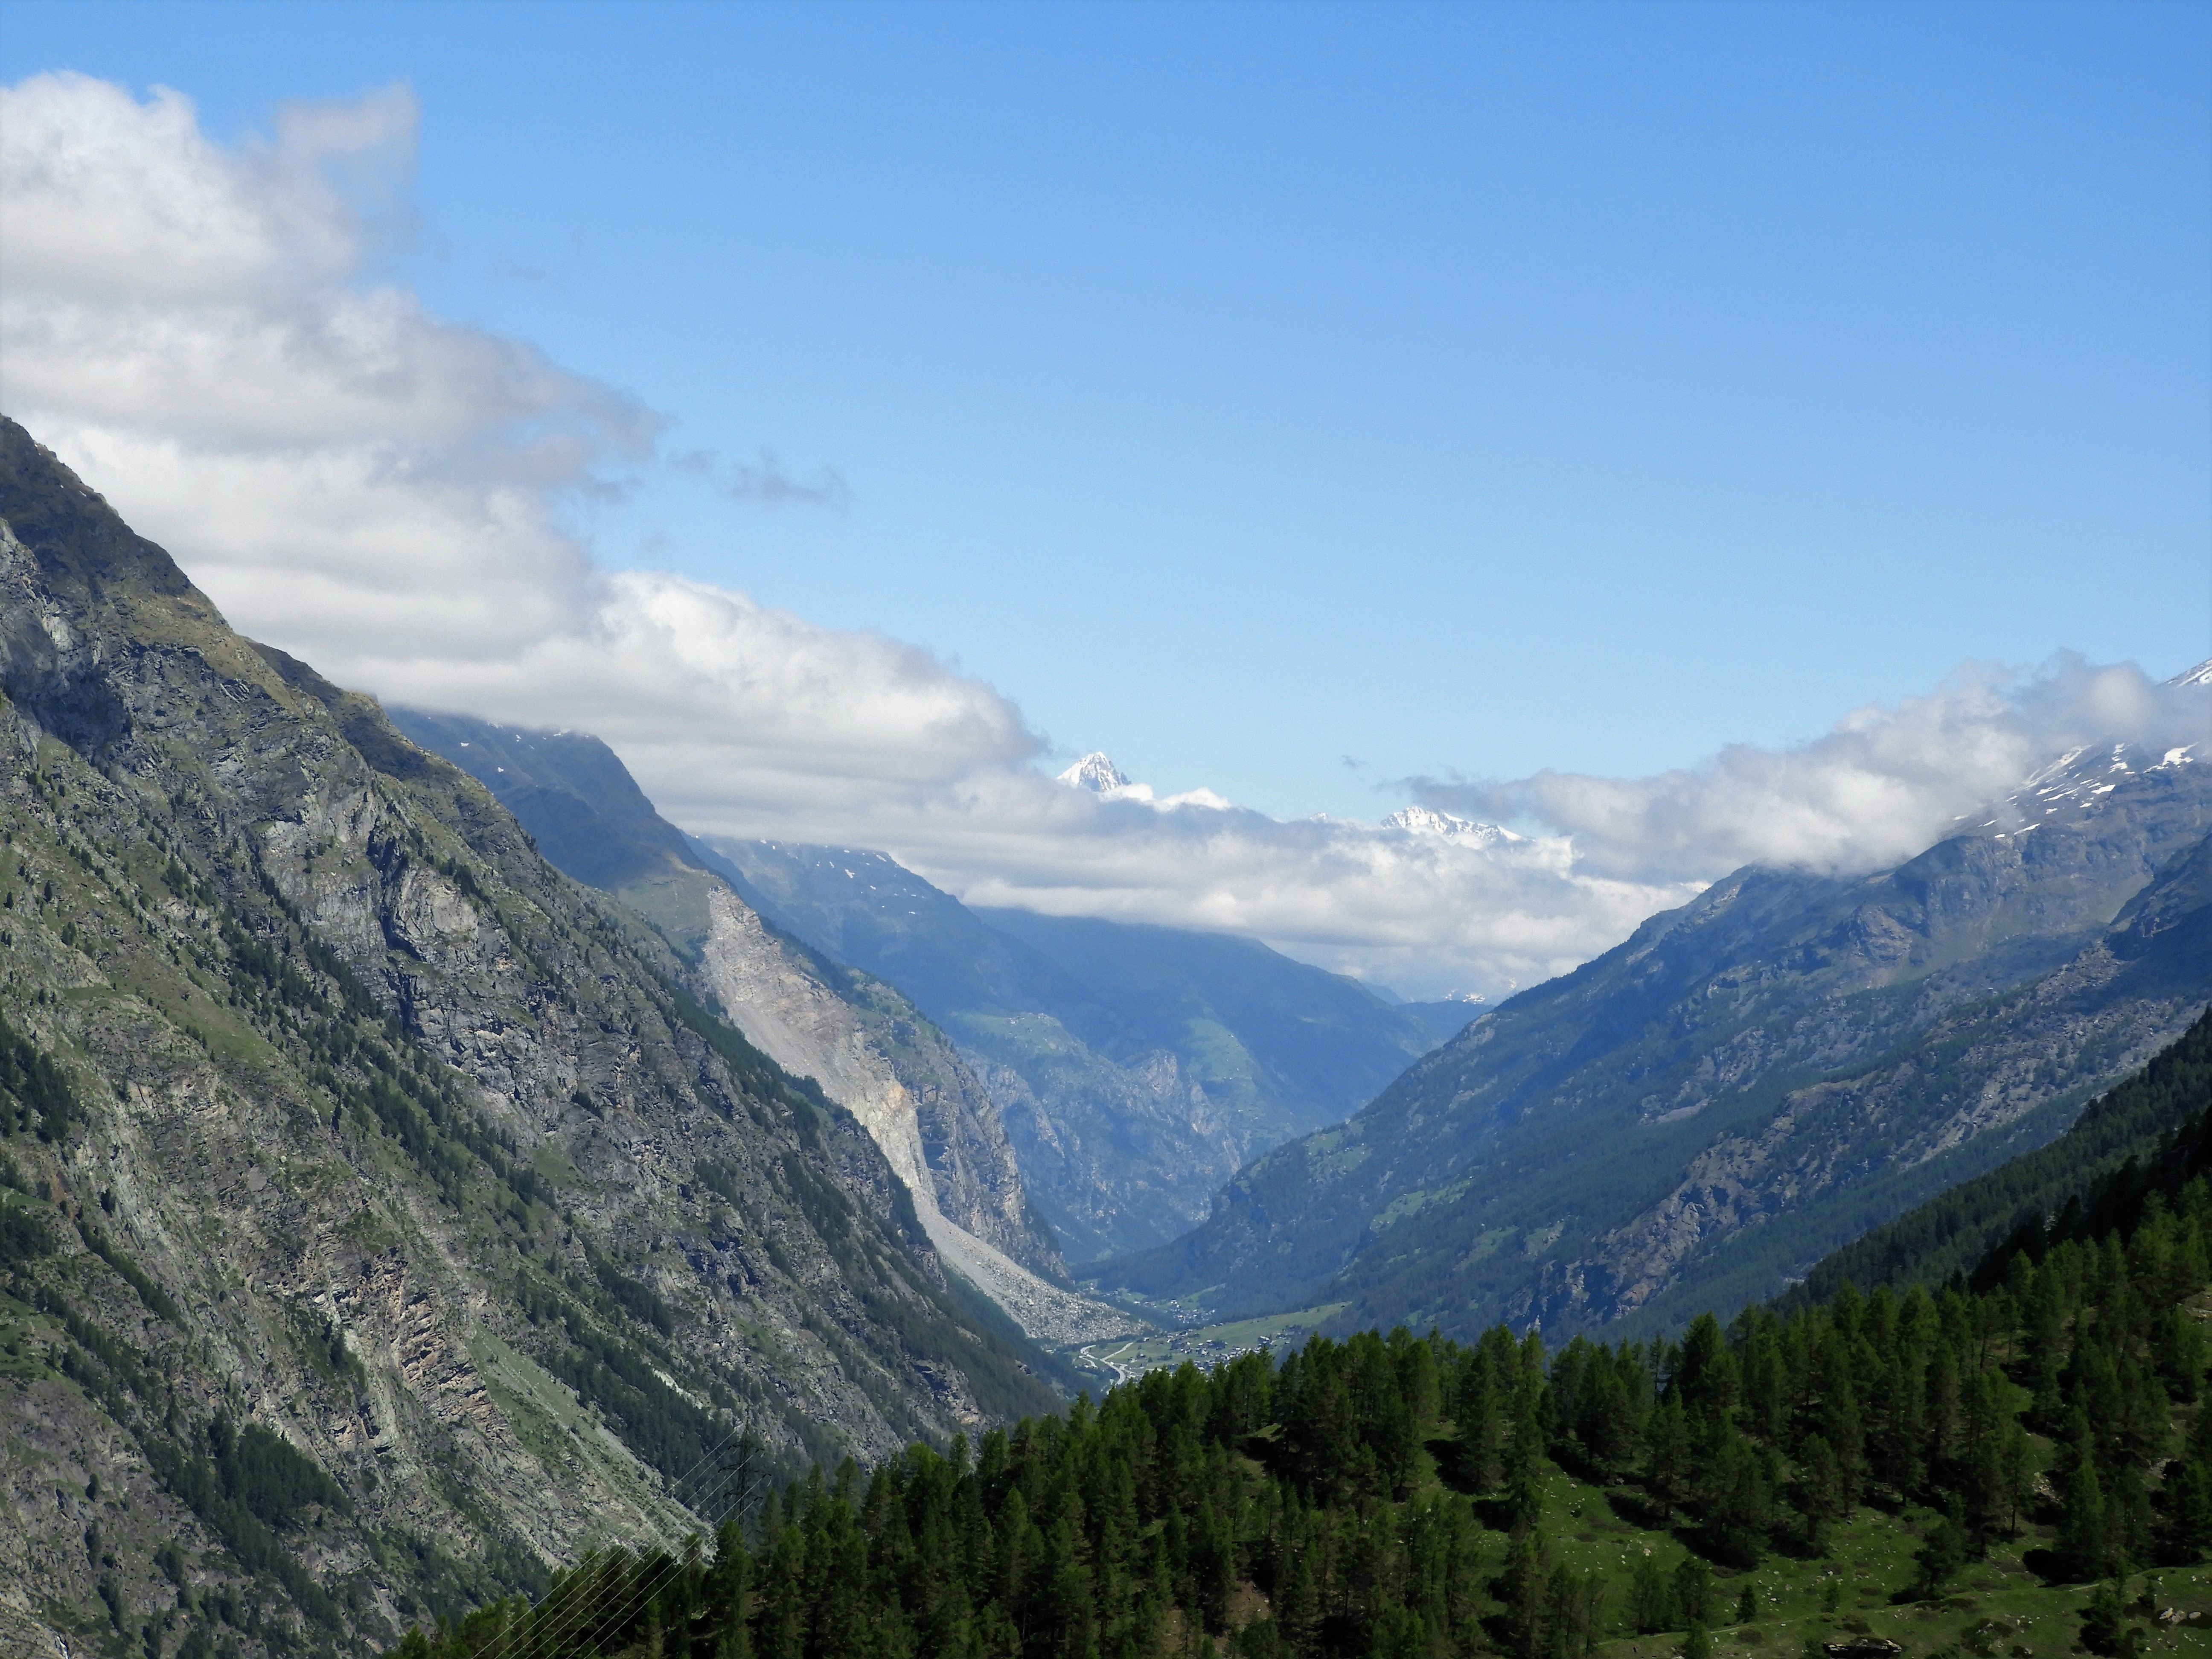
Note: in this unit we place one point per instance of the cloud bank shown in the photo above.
(1885, 784)
(201, 331)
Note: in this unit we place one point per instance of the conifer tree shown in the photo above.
(2188, 1495)
(1650, 1597)
(1526, 1578)
(1820, 1490)
(1574, 1614)
(1667, 1454)
(1942, 1551)
(2084, 1530)
(1694, 1592)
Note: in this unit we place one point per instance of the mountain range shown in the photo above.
(1135, 1067)
(1126, 1070)
(422, 1163)
(854, 1035)
(1699, 1115)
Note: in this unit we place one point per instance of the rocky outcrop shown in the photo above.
(396, 1182)
(1135, 1068)
(935, 1143)
(868, 1046)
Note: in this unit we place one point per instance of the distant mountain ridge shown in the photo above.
(866, 1044)
(1135, 1067)
(1748, 1081)
(1445, 826)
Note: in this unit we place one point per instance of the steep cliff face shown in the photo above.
(1135, 1068)
(870, 1049)
(382, 1217)
(916, 1097)
(1699, 1115)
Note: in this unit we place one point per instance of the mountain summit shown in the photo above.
(1427, 822)
(1096, 773)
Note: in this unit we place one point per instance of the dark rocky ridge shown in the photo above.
(388, 1139)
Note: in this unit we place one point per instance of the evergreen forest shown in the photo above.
(2018, 1462)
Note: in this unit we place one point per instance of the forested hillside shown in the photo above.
(1978, 1225)
(1954, 1472)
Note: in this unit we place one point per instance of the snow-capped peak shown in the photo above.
(1096, 773)
(1443, 826)
(2200, 675)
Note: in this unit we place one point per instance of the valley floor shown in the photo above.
(1125, 1358)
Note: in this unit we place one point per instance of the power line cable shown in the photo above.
(642, 1593)
(597, 1609)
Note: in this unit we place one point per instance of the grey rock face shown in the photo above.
(1135, 1068)
(867, 1045)
(388, 1142)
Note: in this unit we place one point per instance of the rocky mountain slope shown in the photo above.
(867, 1046)
(1136, 1068)
(1701, 1114)
(384, 1218)
(1973, 1230)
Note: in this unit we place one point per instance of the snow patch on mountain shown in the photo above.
(1096, 773)
(1444, 826)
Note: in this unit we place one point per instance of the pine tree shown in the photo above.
(1820, 1490)
(1668, 1458)
(2105, 1629)
(1528, 1577)
(1524, 1484)
(1574, 1614)
(2017, 1464)
(2128, 1515)
(1650, 1597)
(2188, 1511)
(1694, 1592)
(2084, 1530)
(1942, 1551)
(1706, 1376)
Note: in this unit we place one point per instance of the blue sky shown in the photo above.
(1692, 435)
(1251, 390)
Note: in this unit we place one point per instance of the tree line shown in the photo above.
(1350, 1499)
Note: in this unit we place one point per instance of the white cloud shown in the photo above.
(195, 328)
(190, 326)
(199, 330)
(1885, 784)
